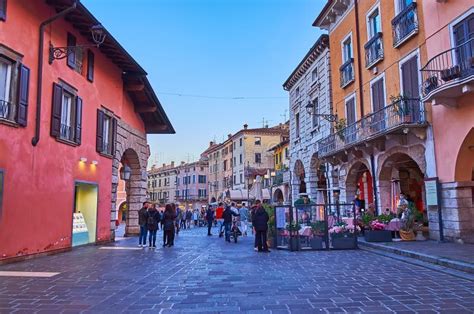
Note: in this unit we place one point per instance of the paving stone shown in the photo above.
(205, 275)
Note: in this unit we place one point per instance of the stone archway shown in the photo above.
(317, 179)
(278, 197)
(465, 159)
(131, 148)
(358, 181)
(299, 177)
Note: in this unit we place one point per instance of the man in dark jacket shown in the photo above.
(260, 223)
(142, 222)
(210, 219)
(152, 220)
(227, 216)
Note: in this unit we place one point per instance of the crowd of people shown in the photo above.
(225, 216)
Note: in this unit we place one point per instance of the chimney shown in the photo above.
(182, 163)
(211, 143)
(172, 164)
(229, 135)
(246, 126)
(164, 165)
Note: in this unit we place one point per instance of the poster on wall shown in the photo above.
(431, 191)
(280, 217)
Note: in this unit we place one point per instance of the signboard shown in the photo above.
(280, 217)
(431, 190)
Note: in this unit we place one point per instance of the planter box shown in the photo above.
(295, 244)
(316, 243)
(378, 236)
(343, 242)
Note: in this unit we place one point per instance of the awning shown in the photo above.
(243, 195)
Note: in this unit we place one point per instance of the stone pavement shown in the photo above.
(452, 255)
(205, 274)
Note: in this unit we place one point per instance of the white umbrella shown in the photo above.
(320, 205)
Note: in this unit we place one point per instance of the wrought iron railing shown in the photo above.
(347, 72)
(373, 50)
(404, 24)
(6, 108)
(400, 113)
(449, 66)
(66, 132)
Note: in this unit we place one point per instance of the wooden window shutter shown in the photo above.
(100, 131)
(3, 10)
(71, 58)
(23, 92)
(114, 135)
(77, 135)
(56, 110)
(90, 65)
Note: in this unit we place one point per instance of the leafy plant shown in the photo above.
(398, 102)
(339, 126)
(318, 228)
(367, 219)
(293, 227)
(271, 222)
(384, 218)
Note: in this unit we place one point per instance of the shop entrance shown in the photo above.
(84, 226)
(359, 187)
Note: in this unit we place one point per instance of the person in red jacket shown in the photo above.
(220, 220)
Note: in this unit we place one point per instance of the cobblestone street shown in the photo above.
(205, 274)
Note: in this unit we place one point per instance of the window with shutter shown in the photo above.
(71, 57)
(6, 106)
(23, 93)
(378, 103)
(90, 65)
(3, 10)
(66, 114)
(56, 110)
(106, 133)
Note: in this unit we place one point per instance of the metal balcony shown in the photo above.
(347, 72)
(403, 113)
(405, 24)
(447, 74)
(373, 50)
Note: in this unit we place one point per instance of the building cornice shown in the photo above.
(333, 10)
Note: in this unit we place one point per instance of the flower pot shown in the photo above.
(343, 242)
(316, 243)
(378, 236)
(407, 235)
(295, 244)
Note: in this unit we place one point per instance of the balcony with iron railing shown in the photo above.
(66, 132)
(405, 25)
(447, 75)
(397, 116)
(6, 109)
(373, 50)
(347, 72)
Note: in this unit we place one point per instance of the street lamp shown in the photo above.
(329, 117)
(98, 37)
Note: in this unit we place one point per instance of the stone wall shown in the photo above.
(131, 146)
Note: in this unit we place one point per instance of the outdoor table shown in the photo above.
(394, 225)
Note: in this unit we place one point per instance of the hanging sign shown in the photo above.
(431, 191)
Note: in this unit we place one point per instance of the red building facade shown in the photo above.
(67, 126)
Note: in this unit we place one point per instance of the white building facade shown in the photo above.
(309, 88)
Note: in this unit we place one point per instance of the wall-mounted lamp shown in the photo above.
(98, 36)
(83, 159)
(125, 172)
(328, 117)
(94, 162)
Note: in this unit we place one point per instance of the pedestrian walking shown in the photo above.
(209, 219)
(260, 223)
(244, 219)
(189, 216)
(220, 221)
(152, 221)
(227, 217)
(196, 217)
(142, 223)
(169, 217)
(179, 214)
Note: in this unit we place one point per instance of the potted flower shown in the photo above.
(318, 230)
(271, 225)
(343, 237)
(293, 229)
(365, 221)
(340, 125)
(377, 232)
(408, 222)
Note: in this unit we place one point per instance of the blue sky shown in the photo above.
(219, 50)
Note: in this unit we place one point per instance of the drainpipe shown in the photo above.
(36, 138)
(359, 64)
(374, 182)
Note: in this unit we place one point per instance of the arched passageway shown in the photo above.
(278, 197)
(359, 184)
(299, 178)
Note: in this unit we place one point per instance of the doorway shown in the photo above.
(84, 226)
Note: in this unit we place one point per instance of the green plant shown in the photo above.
(318, 228)
(398, 102)
(271, 221)
(384, 218)
(367, 219)
(293, 227)
(339, 126)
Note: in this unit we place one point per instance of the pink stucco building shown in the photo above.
(191, 184)
(448, 84)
